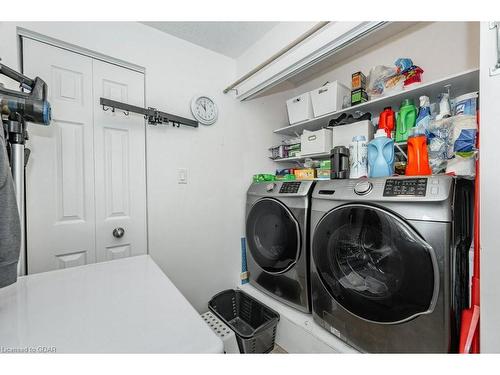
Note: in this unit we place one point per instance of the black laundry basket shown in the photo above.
(254, 323)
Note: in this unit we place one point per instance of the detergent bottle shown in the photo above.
(444, 107)
(358, 157)
(424, 115)
(418, 157)
(381, 155)
(407, 117)
(387, 121)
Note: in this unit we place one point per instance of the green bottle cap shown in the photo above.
(406, 102)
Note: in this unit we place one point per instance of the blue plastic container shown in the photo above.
(381, 155)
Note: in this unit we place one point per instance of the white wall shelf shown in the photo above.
(459, 84)
(322, 155)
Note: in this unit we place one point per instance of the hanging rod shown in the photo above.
(277, 55)
(153, 116)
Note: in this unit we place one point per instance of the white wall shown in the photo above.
(194, 229)
(439, 48)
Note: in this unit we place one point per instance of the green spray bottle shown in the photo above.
(407, 117)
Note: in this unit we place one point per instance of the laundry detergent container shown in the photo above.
(299, 108)
(329, 98)
(254, 323)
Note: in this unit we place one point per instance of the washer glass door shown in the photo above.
(375, 264)
(273, 235)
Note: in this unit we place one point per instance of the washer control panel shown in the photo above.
(290, 187)
(270, 187)
(363, 187)
(408, 186)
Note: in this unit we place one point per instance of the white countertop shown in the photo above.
(122, 306)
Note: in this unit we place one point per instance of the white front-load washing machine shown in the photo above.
(389, 267)
(277, 234)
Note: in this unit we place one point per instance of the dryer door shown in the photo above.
(375, 264)
(273, 235)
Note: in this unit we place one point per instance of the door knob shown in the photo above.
(118, 232)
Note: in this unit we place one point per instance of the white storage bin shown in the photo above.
(315, 142)
(329, 98)
(299, 108)
(342, 135)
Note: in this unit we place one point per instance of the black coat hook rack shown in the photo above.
(154, 116)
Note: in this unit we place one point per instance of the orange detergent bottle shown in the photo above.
(418, 157)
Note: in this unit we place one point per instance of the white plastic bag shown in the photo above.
(463, 135)
(463, 164)
(381, 78)
(440, 146)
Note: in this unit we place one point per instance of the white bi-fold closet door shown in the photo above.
(86, 175)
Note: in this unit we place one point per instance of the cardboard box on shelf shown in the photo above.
(305, 174)
(325, 164)
(323, 174)
(358, 81)
(358, 96)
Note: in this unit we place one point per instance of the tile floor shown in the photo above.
(278, 350)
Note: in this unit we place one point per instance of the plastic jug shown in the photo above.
(418, 157)
(381, 155)
(424, 115)
(444, 107)
(407, 118)
(358, 157)
(387, 121)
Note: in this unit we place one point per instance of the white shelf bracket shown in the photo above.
(496, 69)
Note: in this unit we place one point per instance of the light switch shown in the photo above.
(182, 176)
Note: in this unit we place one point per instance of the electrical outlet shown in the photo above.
(182, 176)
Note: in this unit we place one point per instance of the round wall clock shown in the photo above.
(204, 110)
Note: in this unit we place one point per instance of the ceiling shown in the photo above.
(228, 38)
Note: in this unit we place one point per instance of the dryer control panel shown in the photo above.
(289, 187)
(408, 186)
